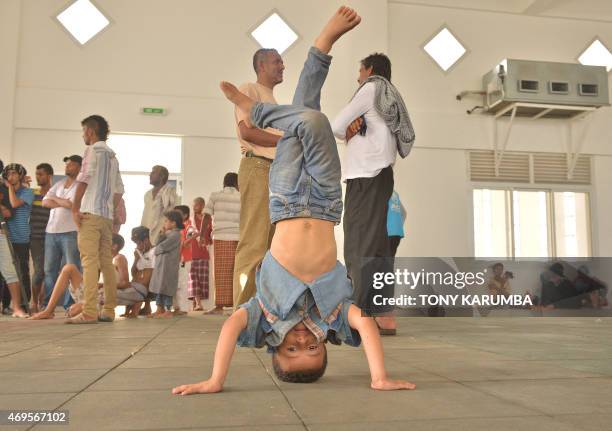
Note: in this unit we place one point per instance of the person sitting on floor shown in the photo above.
(72, 279)
(142, 270)
(303, 293)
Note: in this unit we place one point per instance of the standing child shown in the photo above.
(199, 273)
(187, 234)
(164, 281)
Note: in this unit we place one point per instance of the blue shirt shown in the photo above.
(282, 301)
(395, 220)
(19, 224)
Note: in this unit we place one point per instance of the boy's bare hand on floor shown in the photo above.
(205, 387)
(392, 385)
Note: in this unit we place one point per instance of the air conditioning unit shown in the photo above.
(544, 89)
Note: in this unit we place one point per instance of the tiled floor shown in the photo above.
(472, 374)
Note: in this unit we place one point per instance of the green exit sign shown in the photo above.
(154, 111)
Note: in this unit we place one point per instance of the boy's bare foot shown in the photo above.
(344, 20)
(238, 98)
(43, 315)
(392, 385)
(19, 313)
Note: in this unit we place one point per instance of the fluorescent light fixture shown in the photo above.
(445, 49)
(275, 33)
(596, 55)
(83, 20)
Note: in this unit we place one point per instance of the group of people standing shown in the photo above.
(85, 209)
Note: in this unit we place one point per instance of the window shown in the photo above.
(275, 33)
(596, 55)
(531, 223)
(83, 20)
(137, 154)
(572, 224)
(445, 49)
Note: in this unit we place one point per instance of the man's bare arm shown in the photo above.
(368, 330)
(226, 345)
(76, 206)
(258, 136)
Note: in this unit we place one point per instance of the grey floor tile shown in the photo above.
(122, 410)
(554, 397)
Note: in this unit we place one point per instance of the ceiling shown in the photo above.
(597, 10)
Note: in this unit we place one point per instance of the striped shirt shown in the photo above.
(39, 217)
(19, 224)
(224, 207)
(100, 171)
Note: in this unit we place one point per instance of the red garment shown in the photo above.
(199, 249)
(186, 250)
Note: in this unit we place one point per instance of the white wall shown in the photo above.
(9, 42)
(173, 54)
(434, 183)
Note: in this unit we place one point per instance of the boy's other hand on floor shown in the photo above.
(204, 387)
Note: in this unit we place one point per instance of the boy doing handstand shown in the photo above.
(303, 292)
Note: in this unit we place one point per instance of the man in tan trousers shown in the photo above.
(99, 190)
(258, 148)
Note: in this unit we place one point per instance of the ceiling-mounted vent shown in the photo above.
(588, 89)
(552, 168)
(528, 86)
(514, 167)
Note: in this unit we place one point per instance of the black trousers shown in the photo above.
(394, 242)
(22, 253)
(366, 243)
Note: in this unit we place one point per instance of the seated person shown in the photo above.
(71, 278)
(142, 269)
(499, 284)
(558, 291)
(303, 292)
(591, 288)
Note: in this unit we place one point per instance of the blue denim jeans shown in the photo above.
(60, 249)
(305, 174)
(164, 301)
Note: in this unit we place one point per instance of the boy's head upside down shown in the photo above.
(300, 358)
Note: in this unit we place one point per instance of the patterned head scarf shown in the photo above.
(14, 167)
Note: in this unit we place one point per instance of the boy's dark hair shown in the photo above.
(183, 209)
(140, 233)
(98, 124)
(118, 240)
(176, 217)
(380, 64)
(305, 376)
(259, 56)
(231, 180)
(45, 167)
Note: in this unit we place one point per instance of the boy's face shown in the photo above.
(300, 350)
(169, 224)
(13, 178)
